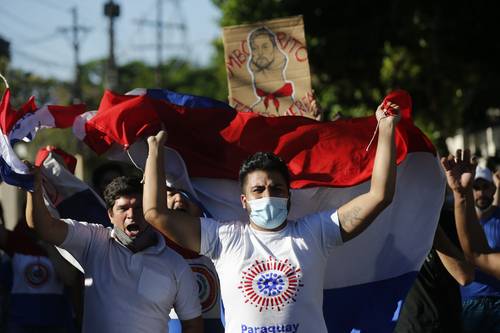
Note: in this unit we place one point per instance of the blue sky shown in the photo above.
(32, 26)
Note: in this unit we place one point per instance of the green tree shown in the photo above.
(177, 75)
(359, 50)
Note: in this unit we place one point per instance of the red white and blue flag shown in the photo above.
(22, 125)
(367, 278)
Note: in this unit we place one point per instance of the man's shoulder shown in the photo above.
(85, 224)
(317, 216)
(233, 225)
(92, 231)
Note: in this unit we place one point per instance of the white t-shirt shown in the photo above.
(272, 281)
(126, 291)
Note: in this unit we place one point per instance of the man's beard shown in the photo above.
(483, 203)
(262, 63)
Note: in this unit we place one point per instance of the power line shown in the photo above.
(13, 30)
(20, 20)
(130, 44)
(61, 9)
(41, 61)
(160, 25)
(43, 39)
(20, 38)
(52, 5)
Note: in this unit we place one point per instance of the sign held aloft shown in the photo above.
(268, 69)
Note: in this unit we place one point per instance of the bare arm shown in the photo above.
(48, 228)
(180, 227)
(194, 325)
(460, 175)
(356, 215)
(452, 259)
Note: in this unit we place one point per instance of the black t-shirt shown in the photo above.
(433, 304)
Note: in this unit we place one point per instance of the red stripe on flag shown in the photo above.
(64, 116)
(214, 142)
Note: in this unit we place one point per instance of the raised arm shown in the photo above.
(453, 260)
(356, 215)
(48, 228)
(460, 176)
(180, 227)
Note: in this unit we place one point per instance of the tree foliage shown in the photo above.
(358, 51)
(443, 52)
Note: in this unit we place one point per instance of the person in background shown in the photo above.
(478, 225)
(38, 300)
(434, 304)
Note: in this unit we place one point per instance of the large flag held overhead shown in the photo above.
(22, 125)
(70, 196)
(367, 278)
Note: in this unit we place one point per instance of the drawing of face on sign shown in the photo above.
(267, 65)
(268, 68)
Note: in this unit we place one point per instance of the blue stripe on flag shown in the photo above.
(209, 325)
(359, 308)
(190, 101)
(24, 181)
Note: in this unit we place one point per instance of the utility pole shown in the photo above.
(111, 10)
(160, 25)
(75, 30)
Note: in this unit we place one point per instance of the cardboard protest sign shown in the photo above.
(268, 69)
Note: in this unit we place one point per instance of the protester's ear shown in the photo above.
(110, 213)
(243, 199)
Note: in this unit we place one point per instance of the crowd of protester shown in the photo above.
(133, 279)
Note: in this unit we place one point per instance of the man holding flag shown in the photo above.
(132, 278)
(272, 269)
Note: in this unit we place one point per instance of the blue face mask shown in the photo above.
(268, 212)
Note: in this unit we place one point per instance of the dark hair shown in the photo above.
(262, 31)
(266, 162)
(121, 186)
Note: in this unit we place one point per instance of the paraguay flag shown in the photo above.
(23, 124)
(70, 196)
(66, 196)
(367, 278)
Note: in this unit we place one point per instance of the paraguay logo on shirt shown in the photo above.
(270, 284)
(208, 286)
(36, 274)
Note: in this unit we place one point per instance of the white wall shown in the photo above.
(487, 141)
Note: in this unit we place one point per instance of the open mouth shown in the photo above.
(132, 230)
